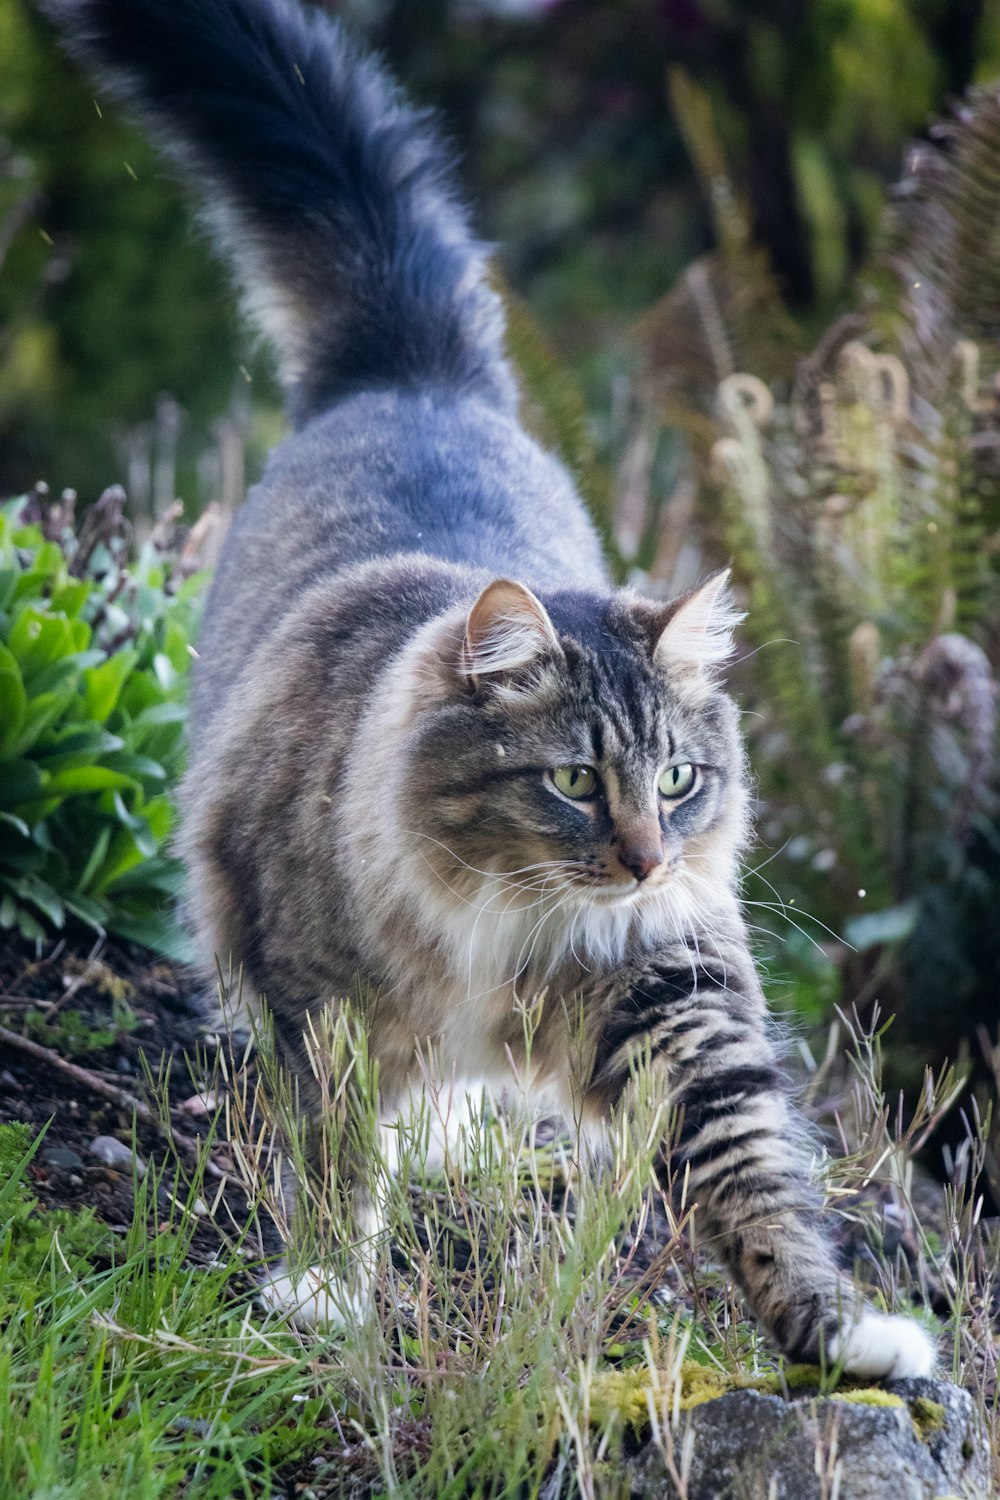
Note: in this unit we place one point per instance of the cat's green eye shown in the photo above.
(677, 781)
(575, 781)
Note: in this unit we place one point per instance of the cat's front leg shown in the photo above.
(429, 1127)
(739, 1153)
(324, 1280)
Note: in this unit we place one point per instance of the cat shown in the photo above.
(436, 758)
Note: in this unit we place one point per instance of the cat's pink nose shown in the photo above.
(640, 862)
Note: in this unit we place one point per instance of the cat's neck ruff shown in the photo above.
(494, 946)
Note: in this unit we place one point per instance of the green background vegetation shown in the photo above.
(569, 148)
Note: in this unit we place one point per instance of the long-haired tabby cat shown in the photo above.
(436, 758)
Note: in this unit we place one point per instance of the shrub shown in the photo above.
(94, 654)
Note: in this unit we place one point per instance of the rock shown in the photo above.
(114, 1153)
(915, 1440)
(200, 1104)
(62, 1159)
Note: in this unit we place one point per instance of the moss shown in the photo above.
(15, 1142)
(869, 1396)
(620, 1393)
(623, 1393)
(700, 1383)
(928, 1417)
(791, 1378)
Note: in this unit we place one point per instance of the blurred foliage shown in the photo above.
(857, 488)
(570, 151)
(106, 299)
(93, 659)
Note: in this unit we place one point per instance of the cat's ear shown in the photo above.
(507, 630)
(698, 630)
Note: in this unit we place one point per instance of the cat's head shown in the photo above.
(581, 752)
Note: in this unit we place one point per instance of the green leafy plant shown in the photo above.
(94, 654)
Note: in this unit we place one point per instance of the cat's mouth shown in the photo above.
(630, 892)
(622, 893)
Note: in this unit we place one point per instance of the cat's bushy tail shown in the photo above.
(331, 195)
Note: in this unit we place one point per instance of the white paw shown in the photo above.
(880, 1347)
(313, 1300)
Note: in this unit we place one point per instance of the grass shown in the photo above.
(514, 1293)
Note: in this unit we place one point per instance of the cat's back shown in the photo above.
(389, 475)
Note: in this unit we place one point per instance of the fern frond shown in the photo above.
(726, 313)
(855, 501)
(936, 280)
(553, 406)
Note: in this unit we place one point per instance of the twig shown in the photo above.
(164, 1340)
(79, 980)
(98, 1085)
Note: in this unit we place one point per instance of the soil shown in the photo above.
(137, 1027)
(144, 1029)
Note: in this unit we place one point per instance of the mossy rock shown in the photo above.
(623, 1394)
(928, 1416)
(780, 1437)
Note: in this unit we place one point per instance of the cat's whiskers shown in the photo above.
(604, 918)
(523, 961)
(780, 905)
(541, 864)
(507, 882)
(680, 926)
(696, 878)
(694, 928)
(542, 883)
(572, 939)
(506, 910)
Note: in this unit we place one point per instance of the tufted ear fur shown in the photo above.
(507, 629)
(698, 631)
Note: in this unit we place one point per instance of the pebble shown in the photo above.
(62, 1158)
(200, 1104)
(199, 1425)
(114, 1153)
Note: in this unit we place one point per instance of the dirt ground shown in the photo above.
(111, 1029)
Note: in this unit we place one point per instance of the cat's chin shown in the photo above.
(612, 895)
(623, 895)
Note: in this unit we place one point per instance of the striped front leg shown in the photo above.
(738, 1146)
